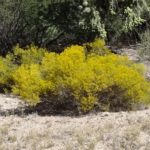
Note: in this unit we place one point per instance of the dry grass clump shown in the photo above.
(112, 131)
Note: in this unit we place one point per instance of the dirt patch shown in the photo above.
(95, 131)
(132, 53)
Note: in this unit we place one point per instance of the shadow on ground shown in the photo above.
(42, 109)
(47, 110)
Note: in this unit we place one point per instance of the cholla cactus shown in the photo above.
(86, 19)
(132, 20)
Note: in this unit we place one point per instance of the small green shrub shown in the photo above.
(144, 46)
(91, 81)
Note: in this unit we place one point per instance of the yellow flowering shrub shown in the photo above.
(87, 80)
(31, 54)
(98, 47)
(3, 71)
(6, 69)
(28, 83)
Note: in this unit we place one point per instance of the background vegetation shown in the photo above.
(57, 23)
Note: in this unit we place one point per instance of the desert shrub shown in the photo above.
(16, 60)
(29, 55)
(144, 45)
(90, 81)
(125, 17)
(6, 69)
(49, 23)
(26, 22)
(28, 83)
(3, 71)
(98, 47)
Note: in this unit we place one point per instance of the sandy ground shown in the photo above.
(132, 53)
(101, 131)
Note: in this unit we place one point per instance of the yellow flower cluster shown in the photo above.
(3, 71)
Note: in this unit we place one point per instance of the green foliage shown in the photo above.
(86, 21)
(23, 22)
(64, 22)
(125, 16)
(88, 80)
(132, 20)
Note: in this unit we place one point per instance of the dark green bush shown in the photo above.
(57, 24)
